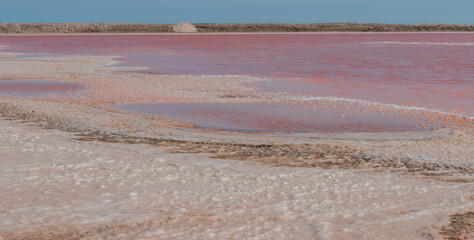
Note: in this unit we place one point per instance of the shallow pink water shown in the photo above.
(432, 70)
(37, 88)
(296, 116)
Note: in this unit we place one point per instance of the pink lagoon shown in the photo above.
(334, 82)
(216, 120)
(237, 136)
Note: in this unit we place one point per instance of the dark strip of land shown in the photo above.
(32, 28)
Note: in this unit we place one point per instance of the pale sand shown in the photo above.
(380, 185)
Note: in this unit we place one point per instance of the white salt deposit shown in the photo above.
(184, 27)
(423, 43)
(62, 181)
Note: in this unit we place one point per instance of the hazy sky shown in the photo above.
(238, 11)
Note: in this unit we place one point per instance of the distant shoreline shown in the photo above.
(61, 28)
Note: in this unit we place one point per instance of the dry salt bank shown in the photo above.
(73, 167)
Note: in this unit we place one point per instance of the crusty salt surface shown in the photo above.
(50, 182)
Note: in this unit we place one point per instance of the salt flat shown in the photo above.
(72, 167)
(55, 186)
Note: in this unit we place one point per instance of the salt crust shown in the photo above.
(52, 184)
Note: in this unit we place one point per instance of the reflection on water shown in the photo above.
(295, 116)
(430, 70)
(37, 88)
(433, 70)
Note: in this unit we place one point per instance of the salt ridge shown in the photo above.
(422, 43)
(387, 105)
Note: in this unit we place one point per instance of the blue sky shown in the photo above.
(242, 11)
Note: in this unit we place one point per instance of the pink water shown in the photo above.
(297, 116)
(36, 88)
(431, 70)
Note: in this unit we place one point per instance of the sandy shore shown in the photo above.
(162, 178)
